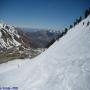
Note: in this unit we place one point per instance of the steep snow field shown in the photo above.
(64, 66)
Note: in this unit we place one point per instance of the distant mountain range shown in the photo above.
(41, 38)
(37, 29)
(18, 43)
(13, 37)
(14, 43)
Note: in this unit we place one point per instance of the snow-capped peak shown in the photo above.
(11, 37)
(1, 25)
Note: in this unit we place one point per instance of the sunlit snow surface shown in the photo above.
(64, 66)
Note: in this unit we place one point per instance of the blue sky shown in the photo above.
(46, 14)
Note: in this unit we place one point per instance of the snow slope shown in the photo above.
(64, 66)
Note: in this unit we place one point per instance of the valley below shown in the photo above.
(10, 55)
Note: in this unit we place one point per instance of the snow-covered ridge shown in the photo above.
(7, 36)
(64, 66)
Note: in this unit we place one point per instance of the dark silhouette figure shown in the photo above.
(83, 23)
(88, 23)
(87, 12)
(71, 26)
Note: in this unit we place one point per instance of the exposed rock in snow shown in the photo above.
(7, 34)
(11, 37)
(64, 66)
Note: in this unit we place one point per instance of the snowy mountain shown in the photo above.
(14, 43)
(11, 37)
(42, 38)
(64, 66)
